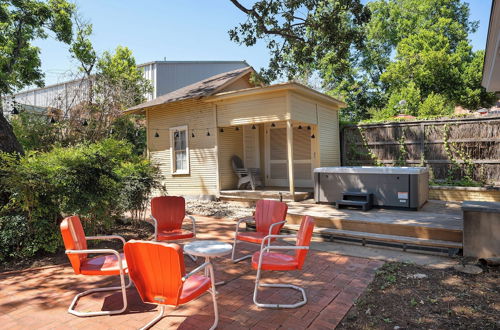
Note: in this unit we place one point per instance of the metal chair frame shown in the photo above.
(122, 286)
(193, 221)
(289, 286)
(247, 220)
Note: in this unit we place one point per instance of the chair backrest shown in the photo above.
(74, 239)
(304, 239)
(156, 270)
(169, 211)
(236, 162)
(268, 212)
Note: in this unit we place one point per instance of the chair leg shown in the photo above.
(234, 251)
(214, 298)
(289, 286)
(156, 319)
(122, 287)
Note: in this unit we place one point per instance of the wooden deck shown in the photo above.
(437, 224)
(251, 196)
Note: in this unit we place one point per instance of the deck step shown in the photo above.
(347, 202)
(381, 237)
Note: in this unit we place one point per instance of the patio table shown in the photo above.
(208, 249)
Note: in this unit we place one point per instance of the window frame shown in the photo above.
(173, 160)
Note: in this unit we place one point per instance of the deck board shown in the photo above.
(434, 214)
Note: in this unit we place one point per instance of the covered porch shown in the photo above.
(281, 132)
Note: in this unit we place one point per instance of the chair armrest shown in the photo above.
(193, 221)
(275, 224)
(268, 237)
(118, 255)
(196, 270)
(156, 227)
(107, 237)
(244, 219)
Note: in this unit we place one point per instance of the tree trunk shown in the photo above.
(8, 141)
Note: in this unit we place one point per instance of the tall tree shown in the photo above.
(304, 35)
(368, 53)
(22, 22)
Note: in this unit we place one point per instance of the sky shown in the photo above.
(179, 30)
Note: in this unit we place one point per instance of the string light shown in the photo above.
(222, 130)
(208, 132)
(300, 127)
(156, 134)
(253, 127)
(236, 128)
(192, 133)
(313, 137)
(308, 128)
(273, 125)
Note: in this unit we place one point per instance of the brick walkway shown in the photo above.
(39, 298)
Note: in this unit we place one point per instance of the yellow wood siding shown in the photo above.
(328, 131)
(197, 115)
(302, 109)
(230, 143)
(254, 109)
(241, 83)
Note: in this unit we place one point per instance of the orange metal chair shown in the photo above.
(112, 263)
(168, 214)
(266, 260)
(269, 218)
(157, 270)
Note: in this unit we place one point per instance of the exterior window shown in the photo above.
(180, 150)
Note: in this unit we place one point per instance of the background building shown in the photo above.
(165, 76)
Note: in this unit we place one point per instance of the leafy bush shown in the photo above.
(435, 105)
(99, 182)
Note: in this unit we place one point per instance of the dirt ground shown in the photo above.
(407, 296)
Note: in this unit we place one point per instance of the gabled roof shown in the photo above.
(197, 90)
(288, 86)
(491, 67)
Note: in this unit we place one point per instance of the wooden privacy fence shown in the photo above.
(453, 149)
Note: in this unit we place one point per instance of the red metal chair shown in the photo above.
(168, 214)
(266, 260)
(269, 218)
(157, 270)
(112, 263)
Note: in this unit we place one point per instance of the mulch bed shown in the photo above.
(438, 299)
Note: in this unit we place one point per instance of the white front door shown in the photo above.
(277, 158)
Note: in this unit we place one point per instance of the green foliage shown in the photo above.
(435, 105)
(371, 55)
(304, 35)
(99, 182)
(21, 22)
(34, 131)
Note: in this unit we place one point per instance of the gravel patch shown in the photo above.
(218, 209)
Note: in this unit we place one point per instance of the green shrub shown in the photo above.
(99, 182)
(435, 105)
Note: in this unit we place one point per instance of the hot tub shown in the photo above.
(403, 187)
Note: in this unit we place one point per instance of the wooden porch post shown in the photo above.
(289, 144)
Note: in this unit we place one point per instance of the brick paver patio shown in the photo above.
(39, 298)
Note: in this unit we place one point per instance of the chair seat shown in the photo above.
(252, 236)
(103, 265)
(193, 287)
(275, 261)
(176, 234)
